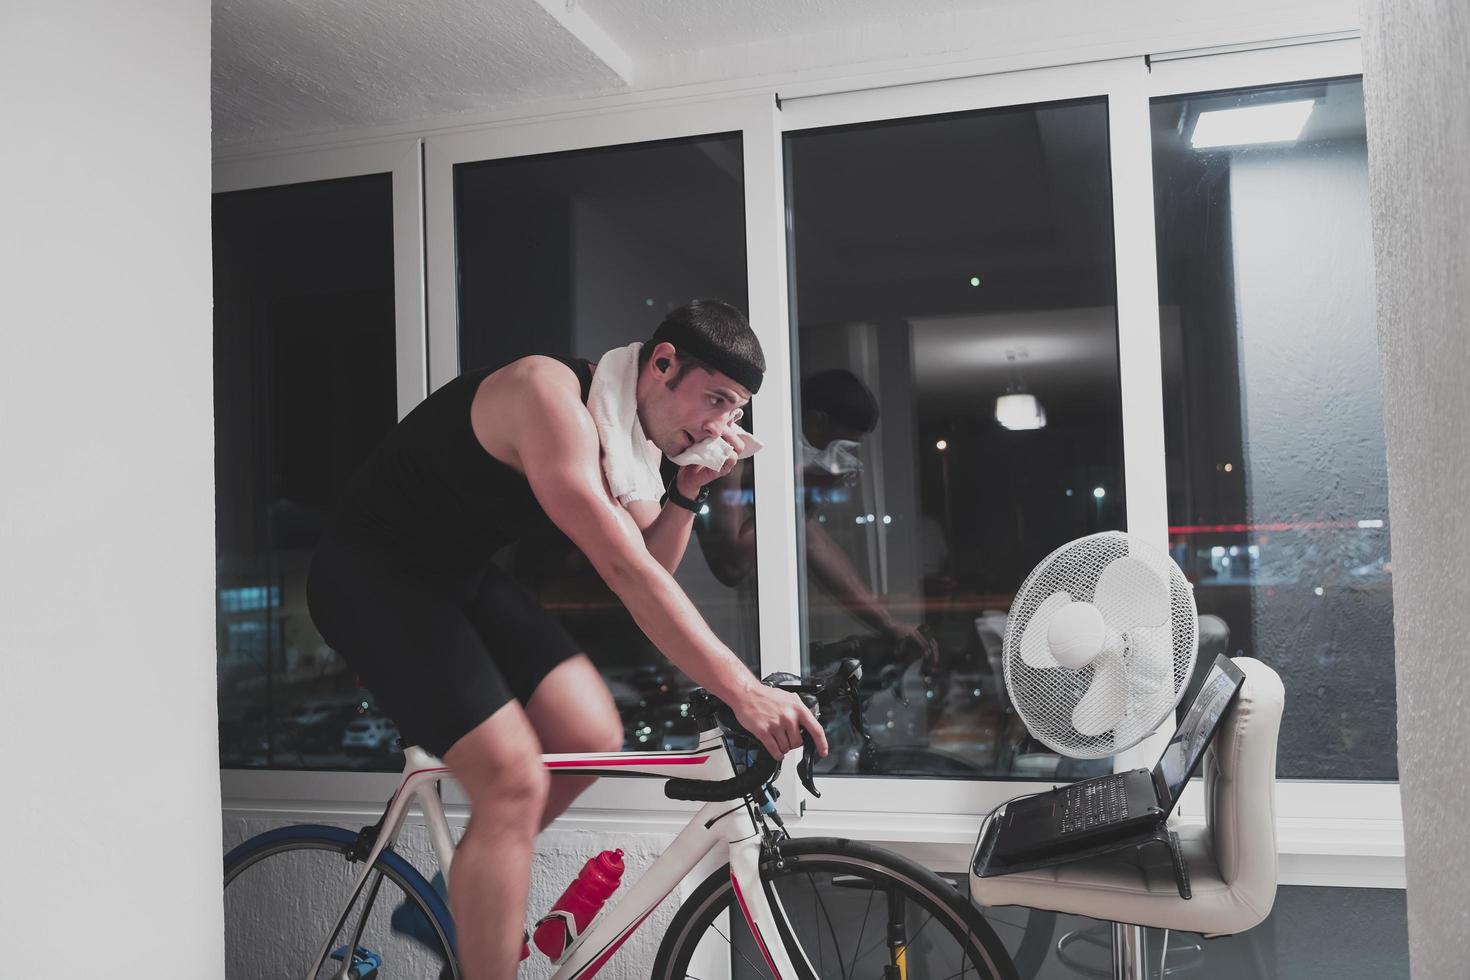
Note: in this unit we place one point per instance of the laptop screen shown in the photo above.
(1187, 747)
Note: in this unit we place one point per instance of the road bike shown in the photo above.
(318, 901)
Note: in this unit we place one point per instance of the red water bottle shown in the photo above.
(574, 911)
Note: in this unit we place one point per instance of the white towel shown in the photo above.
(714, 453)
(629, 459)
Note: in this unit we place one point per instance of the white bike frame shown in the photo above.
(731, 822)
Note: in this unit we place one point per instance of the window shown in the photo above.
(1277, 481)
(304, 387)
(958, 409)
(577, 253)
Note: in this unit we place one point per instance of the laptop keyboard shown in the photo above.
(1095, 803)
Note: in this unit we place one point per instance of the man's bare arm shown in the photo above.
(665, 529)
(556, 444)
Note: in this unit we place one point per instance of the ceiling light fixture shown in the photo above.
(1275, 122)
(1019, 411)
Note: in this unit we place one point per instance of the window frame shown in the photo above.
(402, 159)
(1303, 803)
(1318, 844)
(1120, 83)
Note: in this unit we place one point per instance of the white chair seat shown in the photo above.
(1231, 859)
(1136, 887)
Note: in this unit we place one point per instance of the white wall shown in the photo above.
(107, 706)
(1417, 91)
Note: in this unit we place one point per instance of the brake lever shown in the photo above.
(808, 750)
(808, 759)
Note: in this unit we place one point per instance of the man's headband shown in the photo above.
(685, 338)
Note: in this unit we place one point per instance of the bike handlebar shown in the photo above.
(817, 691)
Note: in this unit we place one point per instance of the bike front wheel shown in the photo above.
(291, 891)
(856, 912)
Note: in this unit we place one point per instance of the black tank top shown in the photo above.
(431, 495)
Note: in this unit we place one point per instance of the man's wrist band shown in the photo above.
(672, 495)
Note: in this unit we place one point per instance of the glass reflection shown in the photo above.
(959, 417)
(1277, 480)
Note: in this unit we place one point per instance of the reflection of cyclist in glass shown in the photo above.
(463, 657)
(837, 411)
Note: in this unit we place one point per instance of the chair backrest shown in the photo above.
(1240, 787)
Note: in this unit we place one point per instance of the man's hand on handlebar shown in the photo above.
(776, 719)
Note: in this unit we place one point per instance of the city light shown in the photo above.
(1099, 492)
(941, 445)
(974, 280)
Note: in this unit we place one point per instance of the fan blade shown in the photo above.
(1147, 685)
(1150, 682)
(1131, 593)
(1101, 708)
(1035, 651)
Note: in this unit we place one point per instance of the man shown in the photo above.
(462, 656)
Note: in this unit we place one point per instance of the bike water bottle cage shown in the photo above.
(569, 932)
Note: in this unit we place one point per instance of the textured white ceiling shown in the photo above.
(657, 28)
(293, 67)
(297, 66)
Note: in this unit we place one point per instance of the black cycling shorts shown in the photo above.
(441, 650)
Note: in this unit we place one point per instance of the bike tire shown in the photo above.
(253, 934)
(843, 864)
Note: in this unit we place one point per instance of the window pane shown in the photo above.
(952, 276)
(1278, 488)
(578, 253)
(304, 388)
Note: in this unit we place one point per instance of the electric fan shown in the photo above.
(1099, 644)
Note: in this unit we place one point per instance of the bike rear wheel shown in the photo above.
(858, 912)
(286, 892)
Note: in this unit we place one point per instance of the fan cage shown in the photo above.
(1045, 697)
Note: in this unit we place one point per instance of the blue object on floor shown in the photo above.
(365, 962)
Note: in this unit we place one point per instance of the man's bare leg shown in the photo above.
(573, 711)
(498, 764)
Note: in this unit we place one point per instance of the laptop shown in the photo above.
(1095, 811)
